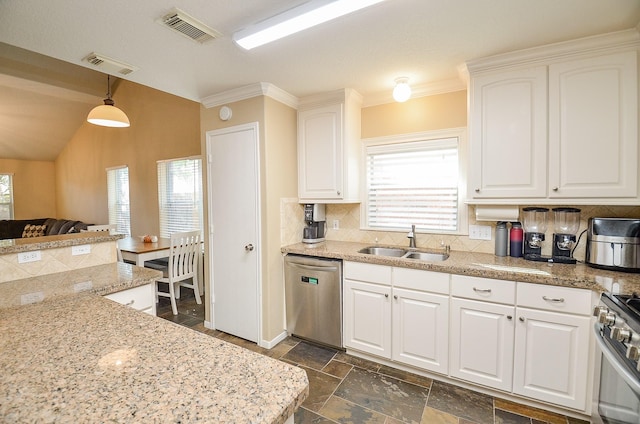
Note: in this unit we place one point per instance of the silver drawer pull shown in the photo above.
(554, 300)
(130, 303)
(477, 290)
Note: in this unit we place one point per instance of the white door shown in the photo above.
(421, 329)
(234, 212)
(367, 318)
(552, 354)
(481, 337)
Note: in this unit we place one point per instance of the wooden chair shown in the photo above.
(112, 229)
(184, 255)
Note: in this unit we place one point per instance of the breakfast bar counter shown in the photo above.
(84, 358)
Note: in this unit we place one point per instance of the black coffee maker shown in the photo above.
(314, 217)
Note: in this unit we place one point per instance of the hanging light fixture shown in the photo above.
(107, 115)
(402, 90)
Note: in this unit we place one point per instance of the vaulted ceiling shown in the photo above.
(45, 99)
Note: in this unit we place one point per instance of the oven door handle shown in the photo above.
(630, 379)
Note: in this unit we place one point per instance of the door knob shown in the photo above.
(248, 247)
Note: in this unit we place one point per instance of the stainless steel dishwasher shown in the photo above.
(313, 291)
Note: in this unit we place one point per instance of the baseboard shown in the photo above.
(268, 344)
(208, 325)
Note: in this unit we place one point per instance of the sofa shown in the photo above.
(16, 228)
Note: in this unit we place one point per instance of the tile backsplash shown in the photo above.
(348, 216)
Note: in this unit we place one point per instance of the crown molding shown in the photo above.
(248, 92)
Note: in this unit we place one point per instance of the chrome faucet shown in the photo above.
(412, 236)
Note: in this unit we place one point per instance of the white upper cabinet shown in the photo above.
(329, 148)
(509, 134)
(556, 123)
(593, 127)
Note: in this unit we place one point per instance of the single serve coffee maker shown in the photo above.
(314, 217)
(566, 225)
(535, 225)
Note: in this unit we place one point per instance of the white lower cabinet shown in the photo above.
(141, 298)
(387, 315)
(552, 348)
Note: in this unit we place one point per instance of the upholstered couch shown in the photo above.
(15, 228)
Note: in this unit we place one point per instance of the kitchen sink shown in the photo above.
(384, 251)
(398, 252)
(424, 256)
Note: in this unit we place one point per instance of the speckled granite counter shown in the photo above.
(485, 265)
(79, 357)
(52, 242)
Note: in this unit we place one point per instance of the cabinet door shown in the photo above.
(593, 139)
(320, 153)
(482, 337)
(420, 329)
(367, 318)
(552, 357)
(509, 134)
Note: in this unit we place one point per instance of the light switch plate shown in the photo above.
(83, 249)
(479, 232)
(33, 256)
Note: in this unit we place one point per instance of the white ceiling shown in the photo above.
(425, 40)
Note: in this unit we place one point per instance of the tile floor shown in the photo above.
(346, 389)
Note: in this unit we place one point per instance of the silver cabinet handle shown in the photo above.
(477, 290)
(130, 303)
(556, 189)
(509, 317)
(338, 192)
(477, 190)
(248, 247)
(386, 295)
(553, 300)
(395, 297)
(521, 319)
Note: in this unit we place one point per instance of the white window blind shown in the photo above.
(180, 195)
(6, 196)
(413, 183)
(118, 193)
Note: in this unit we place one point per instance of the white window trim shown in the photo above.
(11, 192)
(115, 168)
(463, 210)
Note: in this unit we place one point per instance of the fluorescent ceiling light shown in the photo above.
(299, 18)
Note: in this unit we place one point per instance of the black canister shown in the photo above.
(515, 240)
(502, 238)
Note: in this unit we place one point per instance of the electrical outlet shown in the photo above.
(336, 224)
(84, 286)
(34, 297)
(83, 249)
(479, 232)
(33, 256)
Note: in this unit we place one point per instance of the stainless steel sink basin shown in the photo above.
(398, 252)
(383, 251)
(424, 256)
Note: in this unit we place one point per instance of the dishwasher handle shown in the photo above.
(324, 268)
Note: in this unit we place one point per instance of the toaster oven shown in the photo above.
(614, 244)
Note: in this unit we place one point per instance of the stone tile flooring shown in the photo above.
(347, 389)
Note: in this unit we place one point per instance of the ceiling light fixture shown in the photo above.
(402, 90)
(107, 115)
(297, 19)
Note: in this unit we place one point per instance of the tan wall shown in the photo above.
(163, 126)
(277, 124)
(448, 110)
(34, 188)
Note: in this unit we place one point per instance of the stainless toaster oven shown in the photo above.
(614, 243)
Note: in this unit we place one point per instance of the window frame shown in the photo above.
(435, 136)
(11, 197)
(119, 228)
(164, 232)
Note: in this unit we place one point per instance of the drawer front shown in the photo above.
(138, 298)
(378, 274)
(427, 281)
(485, 289)
(553, 298)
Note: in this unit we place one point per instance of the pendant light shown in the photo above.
(107, 115)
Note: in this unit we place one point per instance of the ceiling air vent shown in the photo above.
(188, 26)
(108, 65)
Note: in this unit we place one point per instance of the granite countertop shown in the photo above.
(51, 242)
(485, 265)
(77, 356)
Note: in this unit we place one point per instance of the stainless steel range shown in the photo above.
(617, 388)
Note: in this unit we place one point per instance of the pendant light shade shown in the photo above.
(107, 115)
